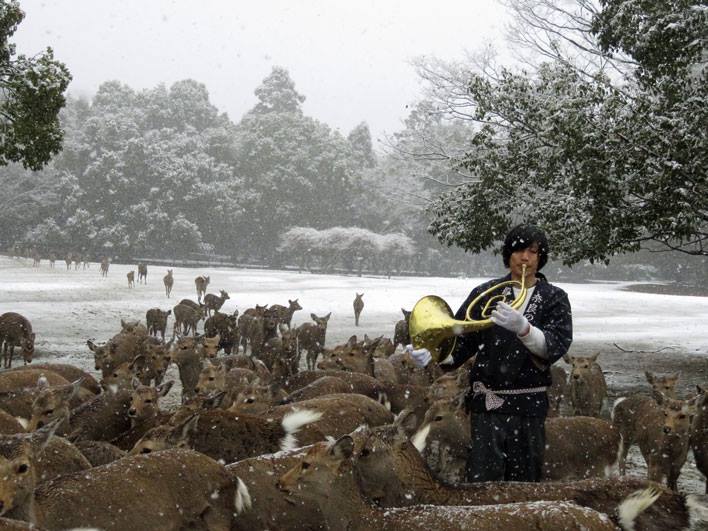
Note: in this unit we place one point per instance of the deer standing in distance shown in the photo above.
(311, 337)
(131, 279)
(215, 302)
(201, 282)
(16, 331)
(358, 307)
(142, 273)
(52, 260)
(105, 262)
(168, 280)
(285, 315)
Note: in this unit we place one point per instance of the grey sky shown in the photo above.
(350, 59)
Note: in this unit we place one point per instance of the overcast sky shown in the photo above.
(350, 59)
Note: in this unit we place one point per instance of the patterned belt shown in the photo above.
(492, 400)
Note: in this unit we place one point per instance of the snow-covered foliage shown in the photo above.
(32, 91)
(603, 165)
(349, 247)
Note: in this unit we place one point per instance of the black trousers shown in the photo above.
(506, 448)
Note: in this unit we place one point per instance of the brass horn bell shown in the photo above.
(432, 324)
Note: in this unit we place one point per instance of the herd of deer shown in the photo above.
(356, 437)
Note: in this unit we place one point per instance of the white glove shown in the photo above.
(511, 319)
(421, 357)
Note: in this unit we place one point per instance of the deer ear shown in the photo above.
(649, 376)
(406, 421)
(343, 448)
(567, 359)
(594, 356)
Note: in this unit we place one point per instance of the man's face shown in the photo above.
(528, 256)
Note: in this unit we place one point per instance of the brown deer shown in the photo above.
(285, 315)
(131, 279)
(168, 280)
(224, 436)
(587, 388)
(311, 337)
(137, 492)
(325, 476)
(67, 261)
(53, 402)
(105, 263)
(186, 319)
(576, 447)
(226, 327)
(156, 320)
(665, 385)
(215, 302)
(358, 307)
(392, 473)
(661, 430)
(699, 435)
(16, 331)
(201, 282)
(52, 260)
(401, 335)
(142, 273)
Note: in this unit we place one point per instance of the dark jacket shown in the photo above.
(503, 362)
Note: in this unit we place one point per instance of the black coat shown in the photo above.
(503, 362)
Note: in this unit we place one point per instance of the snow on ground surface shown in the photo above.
(68, 307)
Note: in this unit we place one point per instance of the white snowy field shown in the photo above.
(68, 307)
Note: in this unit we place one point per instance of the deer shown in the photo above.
(576, 447)
(359, 357)
(67, 261)
(392, 473)
(55, 456)
(341, 413)
(69, 372)
(661, 429)
(36, 258)
(285, 314)
(226, 327)
(100, 452)
(201, 282)
(215, 302)
(156, 320)
(186, 319)
(77, 261)
(131, 279)
(311, 337)
(401, 335)
(168, 280)
(587, 388)
(137, 492)
(105, 263)
(662, 385)
(52, 260)
(142, 273)
(699, 435)
(325, 476)
(52, 403)
(358, 307)
(16, 331)
(228, 437)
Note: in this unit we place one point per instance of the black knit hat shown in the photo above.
(521, 237)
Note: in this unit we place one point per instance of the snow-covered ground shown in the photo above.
(68, 307)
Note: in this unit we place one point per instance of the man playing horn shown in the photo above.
(509, 379)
